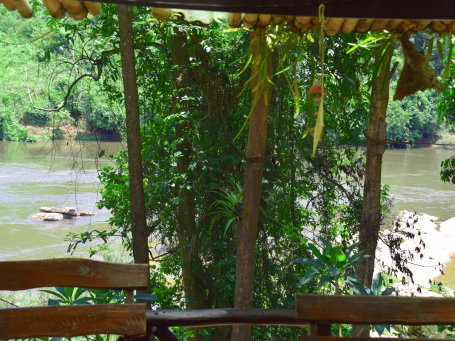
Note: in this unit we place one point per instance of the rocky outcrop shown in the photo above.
(448, 226)
(419, 242)
(59, 213)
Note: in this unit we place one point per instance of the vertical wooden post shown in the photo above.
(255, 153)
(317, 329)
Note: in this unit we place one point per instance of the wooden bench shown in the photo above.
(127, 320)
(321, 311)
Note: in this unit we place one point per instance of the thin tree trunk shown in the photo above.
(255, 152)
(138, 216)
(371, 211)
(139, 228)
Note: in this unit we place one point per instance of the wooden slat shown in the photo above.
(375, 309)
(334, 338)
(68, 321)
(221, 316)
(72, 272)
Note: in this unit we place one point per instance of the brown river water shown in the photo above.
(64, 173)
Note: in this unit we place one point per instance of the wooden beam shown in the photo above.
(384, 9)
(20, 275)
(334, 338)
(375, 309)
(221, 316)
(67, 321)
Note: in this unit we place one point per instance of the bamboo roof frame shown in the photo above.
(344, 16)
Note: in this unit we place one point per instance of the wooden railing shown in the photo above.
(128, 320)
(135, 321)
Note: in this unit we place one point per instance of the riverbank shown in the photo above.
(59, 129)
(417, 251)
(68, 132)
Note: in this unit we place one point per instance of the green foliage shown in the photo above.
(448, 170)
(375, 290)
(228, 207)
(300, 193)
(39, 63)
(36, 118)
(413, 119)
(330, 266)
(11, 130)
(449, 331)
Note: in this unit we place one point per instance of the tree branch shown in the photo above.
(95, 77)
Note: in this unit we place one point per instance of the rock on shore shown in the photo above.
(59, 213)
(427, 242)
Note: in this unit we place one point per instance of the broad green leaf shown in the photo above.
(334, 273)
(324, 280)
(315, 250)
(53, 302)
(380, 328)
(309, 276)
(341, 257)
(358, 288)
(351, 248)
(377, 284)
(387, 292)
(311, 262)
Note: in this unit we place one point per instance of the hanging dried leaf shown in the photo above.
(319, 128)
(416, 74)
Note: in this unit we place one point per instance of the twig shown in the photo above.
(5, 301)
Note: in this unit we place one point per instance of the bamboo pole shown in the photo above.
(371, 210)
(255, 156)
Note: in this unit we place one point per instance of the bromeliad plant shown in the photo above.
(332, 271)
(376, 289)
(76, 296)
(332, 267)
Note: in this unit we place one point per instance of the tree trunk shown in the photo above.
(371, 211)
(138, 216)
(139, 228)
(188, 235)
(255, 152)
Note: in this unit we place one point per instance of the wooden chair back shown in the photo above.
(322, 310)
(128, 320)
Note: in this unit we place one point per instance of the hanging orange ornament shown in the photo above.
(317, 89)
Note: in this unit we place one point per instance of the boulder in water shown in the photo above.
(48, 216)
(448, 226)
(86, 213)
(63, 210)
(60, 213)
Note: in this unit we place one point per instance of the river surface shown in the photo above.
(56, 173)
(65, 173)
